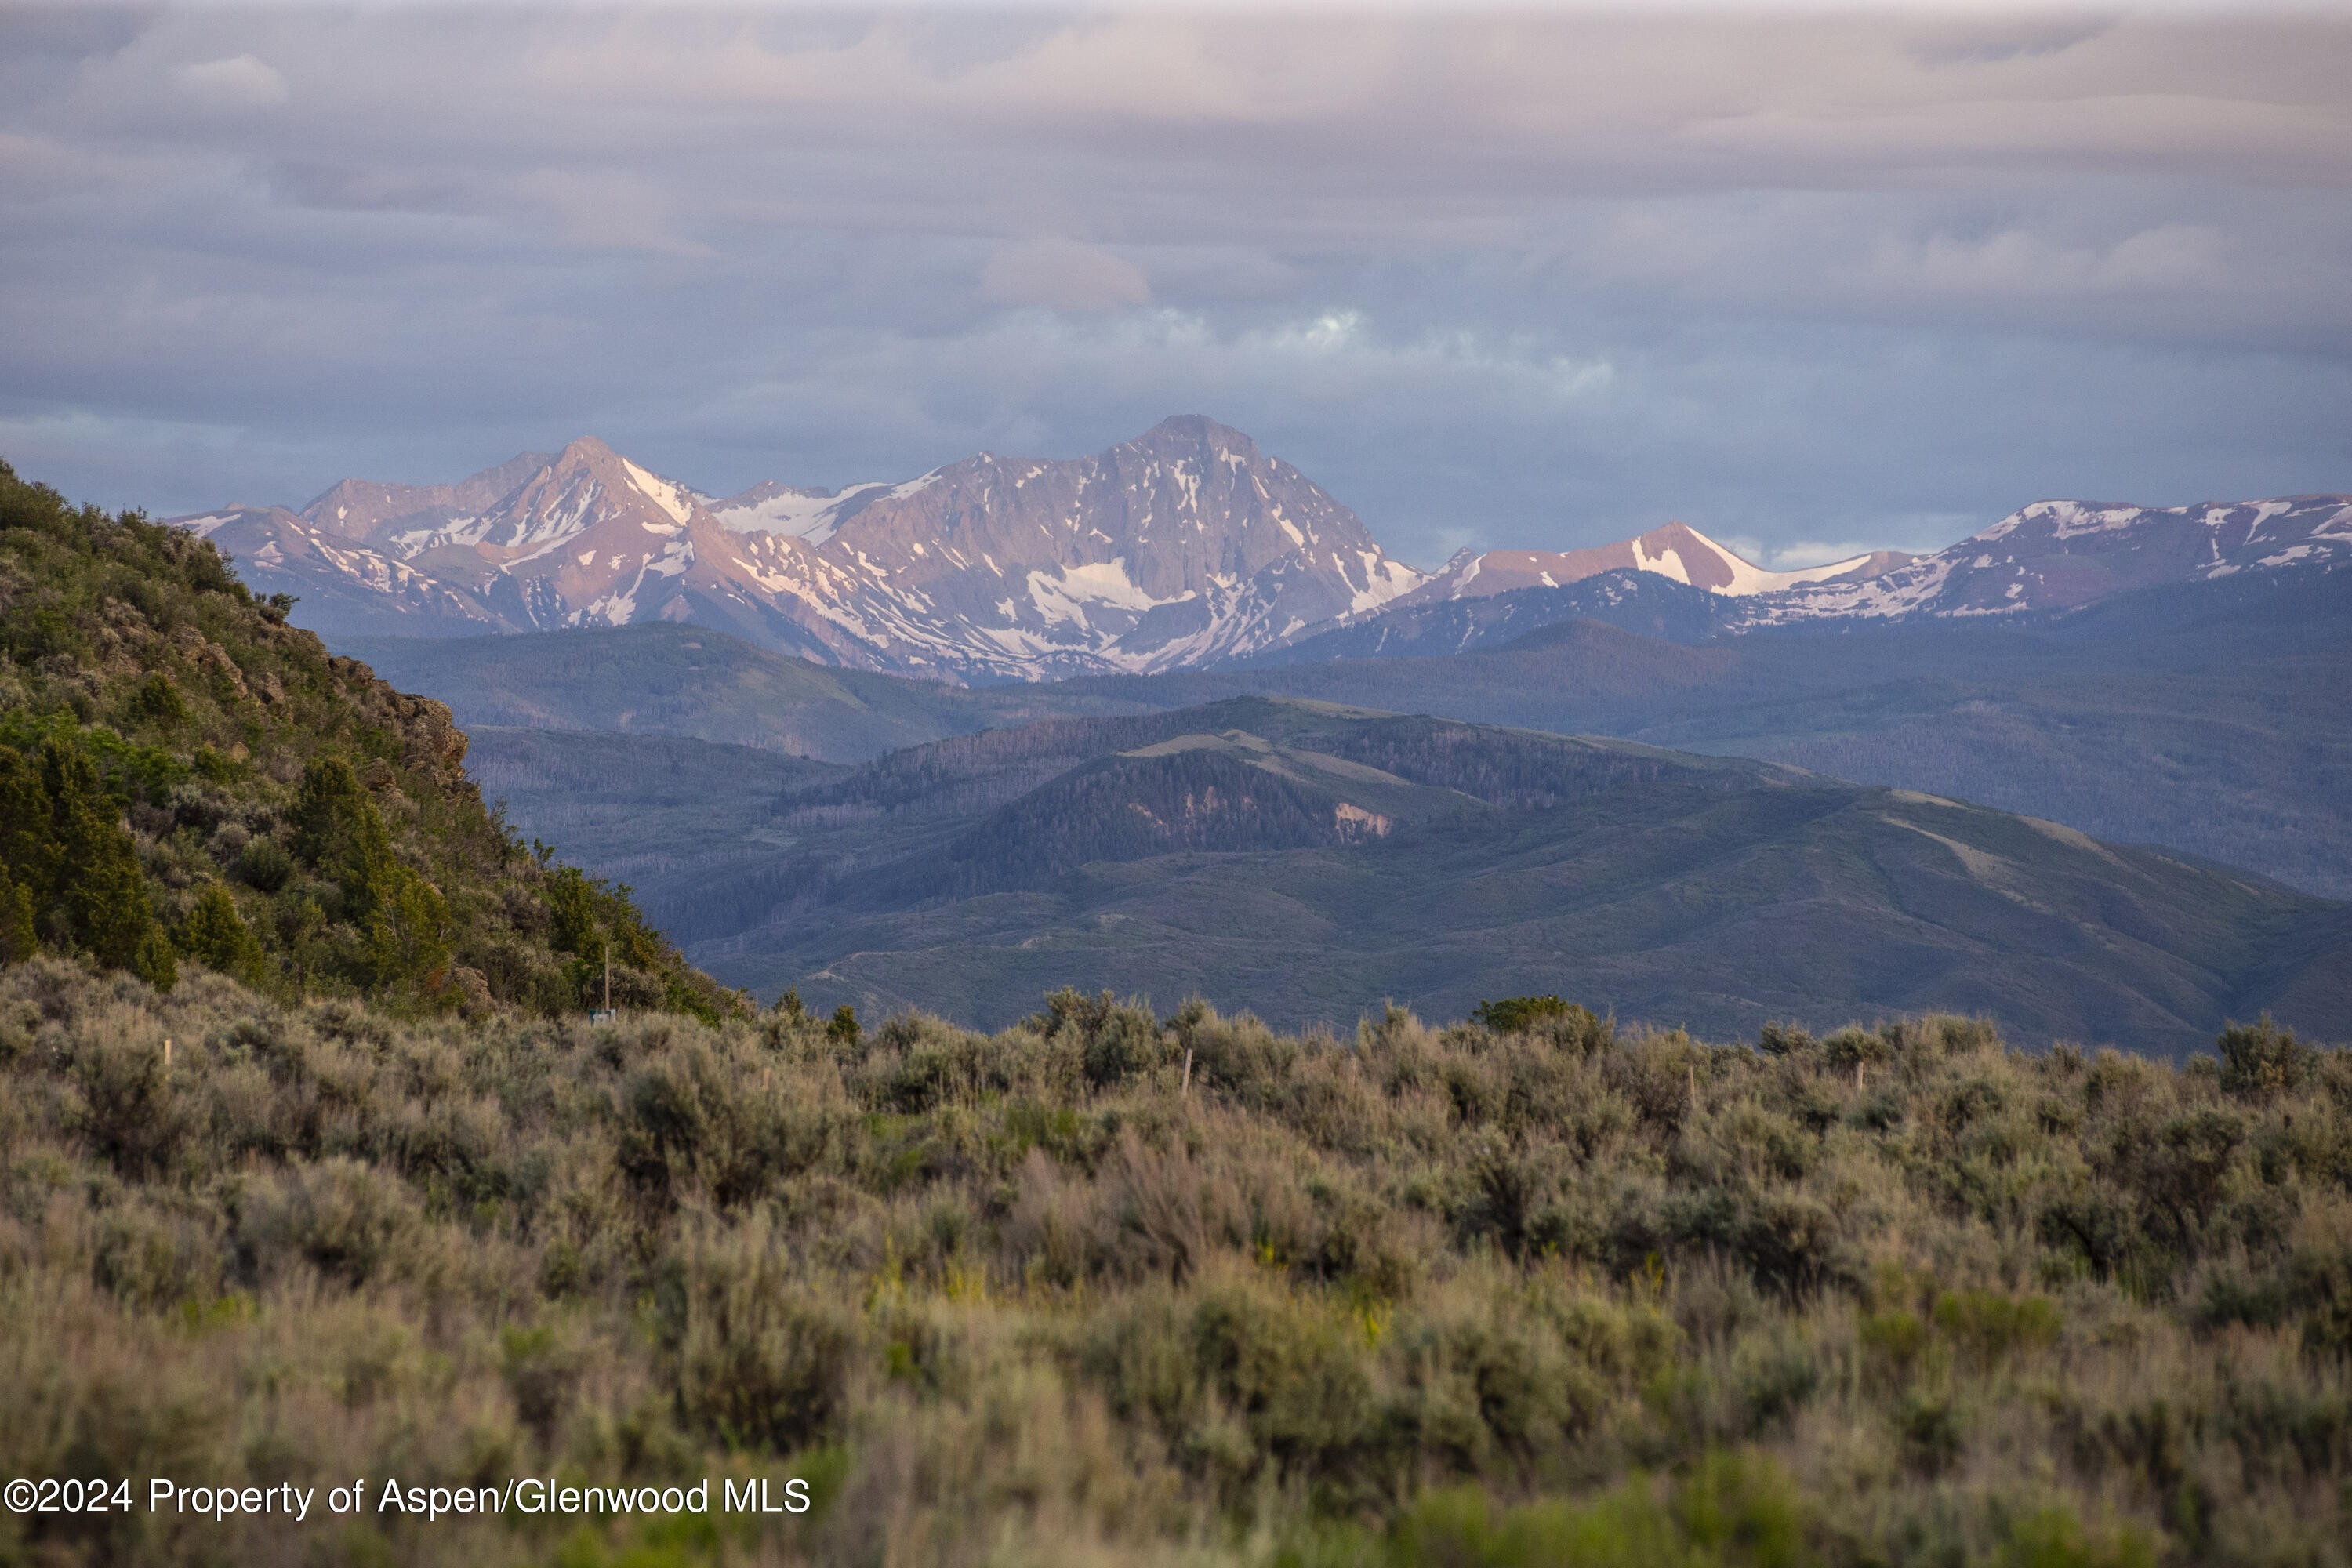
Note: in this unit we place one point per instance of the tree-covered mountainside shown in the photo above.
(1171, 1293)
(1309, 861)
(186, 779)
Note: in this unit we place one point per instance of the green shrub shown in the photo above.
(2262, 1059)
(133, 1115)
(2055, 1538)
(1517, 1015)
(1734, 1510)
(349, 1220)
(1991, 1327)
(765, 1361)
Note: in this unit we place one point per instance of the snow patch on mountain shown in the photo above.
(1062, 596)
(660, 492)
(2064, 555)
(1677, 551)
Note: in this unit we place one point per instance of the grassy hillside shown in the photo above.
(1309, 861)
(187, 779)
(1107, 1287)
(692, 681)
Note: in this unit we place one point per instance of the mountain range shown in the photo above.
(1179, 548)
(1677, 551)
(1144, 719)
(1186, 547)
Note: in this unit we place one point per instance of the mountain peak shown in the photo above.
(584, 449)
(1181, 435)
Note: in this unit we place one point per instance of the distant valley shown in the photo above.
(1310, 860)
(668, 679)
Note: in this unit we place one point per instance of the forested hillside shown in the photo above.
(185, 779)
(1173, 1292)
(1309, 861)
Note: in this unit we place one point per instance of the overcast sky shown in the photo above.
(1805, 281)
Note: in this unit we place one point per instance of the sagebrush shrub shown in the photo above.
(1409, 1296)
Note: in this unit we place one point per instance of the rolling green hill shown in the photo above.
(1309, 861)
(186, 781)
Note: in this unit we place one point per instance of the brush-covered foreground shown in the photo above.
(1417, 1296)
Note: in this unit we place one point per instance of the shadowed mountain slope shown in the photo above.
(668, 679)
(2206, 717)
(2209, 717)
(1308, 860)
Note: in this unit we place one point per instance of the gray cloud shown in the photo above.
(1523, 279)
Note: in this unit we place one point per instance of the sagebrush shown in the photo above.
(1111, 1288)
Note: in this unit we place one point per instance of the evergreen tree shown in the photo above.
(406, 938)
(339, 832)
(101, 892)
(28, 844)
(216, 935)
(154, 960)
(157, 701)
(19, 939)
(571, 914)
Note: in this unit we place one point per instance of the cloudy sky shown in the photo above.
(1535, 278)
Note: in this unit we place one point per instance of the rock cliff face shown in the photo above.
(1185, 545)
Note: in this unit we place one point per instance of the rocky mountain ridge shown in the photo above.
(1677, 552)
(1184, 548)
(2063, 555)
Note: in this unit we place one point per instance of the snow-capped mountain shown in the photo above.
(2057, 555)
(1184, 547)
(1677, 551)
(1185, 544)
